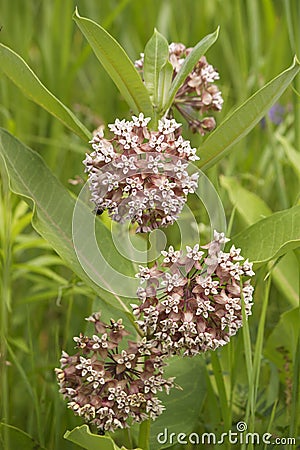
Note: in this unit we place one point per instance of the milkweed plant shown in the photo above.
(141, 170)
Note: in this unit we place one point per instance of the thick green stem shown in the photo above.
(225, 410)
(144, 435)
(127, 438)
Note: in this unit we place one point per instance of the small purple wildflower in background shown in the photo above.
(196, 305)
(276, 115)
(198, 93)
(139, 174)
(109, 385)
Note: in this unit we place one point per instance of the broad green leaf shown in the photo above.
(270, 237)
(189, 63)
(182, 406)
(251, 207)
(19, 439)
(117, 64)
(21, 74)
(53, 212)
(243, 119)
(85, 439)
(291, 153)
(164, 83)
(155, 57)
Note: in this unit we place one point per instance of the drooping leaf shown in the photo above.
(243, 119)
(85, 439)
(251, 207)
(270, 237)
(189, 63)
(182, 406)
(155, 57)
(117, 64)
(102, 268)
(21, 74)
(19, 439)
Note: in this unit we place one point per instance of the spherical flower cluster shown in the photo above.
(193, 302)
(109, 386)
(198, 92)
(141, 175)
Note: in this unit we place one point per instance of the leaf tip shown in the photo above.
(296, 61)
(76, 14)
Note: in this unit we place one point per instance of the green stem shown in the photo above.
(144, 431)
(127, 438)
(5, 237)
(144, 435)
(226, 412)
(249, 366)
(296, 377)
(259, 342)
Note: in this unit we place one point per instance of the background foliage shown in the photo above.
(43, 303)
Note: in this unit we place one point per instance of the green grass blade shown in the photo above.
(272, 417)
(249, 414)
(117, 64)
(244, 118)
(292, 154)
(260, 339)
(21, 74)
(296, 375)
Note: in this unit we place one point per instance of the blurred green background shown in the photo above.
(43, 304)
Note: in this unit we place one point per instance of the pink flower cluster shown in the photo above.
(112, 387)
(141, 175)
(196, 304)
(198, 93)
